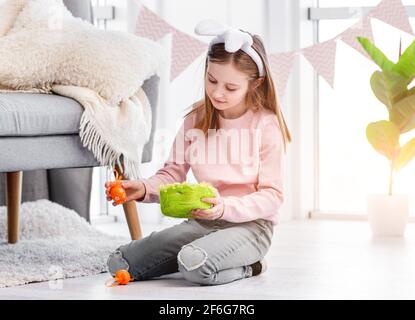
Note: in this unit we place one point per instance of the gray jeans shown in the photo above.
(204, 251)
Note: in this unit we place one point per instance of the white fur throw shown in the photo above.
(9, 10)
(47, 49)
(55, 243)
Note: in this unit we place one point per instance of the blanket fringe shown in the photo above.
(103, 152)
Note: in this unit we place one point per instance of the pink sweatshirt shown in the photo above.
(249, 178)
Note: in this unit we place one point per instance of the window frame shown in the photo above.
(316, 14)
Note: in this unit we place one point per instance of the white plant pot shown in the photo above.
(388, 214)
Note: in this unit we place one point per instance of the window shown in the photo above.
(349, 168)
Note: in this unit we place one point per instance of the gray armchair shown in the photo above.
(42, 143)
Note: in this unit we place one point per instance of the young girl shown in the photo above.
(228, 241)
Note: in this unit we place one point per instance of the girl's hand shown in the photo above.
(213, 213)
(134, 189)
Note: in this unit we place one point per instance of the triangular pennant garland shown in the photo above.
(281, 64)
(361, 29)
(322, 56)
(394, 13)
(185, 50)
(149, 25)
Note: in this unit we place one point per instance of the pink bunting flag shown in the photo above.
(281, 64)
(361, 29)
(150, 26)
(322, 56)
(185, 50)
(394, 13)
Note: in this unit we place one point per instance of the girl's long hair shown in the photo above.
(264, 96)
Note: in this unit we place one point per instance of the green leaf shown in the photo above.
(377, 56)
(406, 63)
(384, 137)
(402, 113)
(388, 87)
(405, 155)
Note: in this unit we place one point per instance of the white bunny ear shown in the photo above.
(210, 27)
(235, 39)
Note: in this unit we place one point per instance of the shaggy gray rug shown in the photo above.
(54, 243)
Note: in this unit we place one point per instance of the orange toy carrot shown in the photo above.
(116, 191)
(122, 277)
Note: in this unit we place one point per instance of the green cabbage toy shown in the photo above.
(179, 199)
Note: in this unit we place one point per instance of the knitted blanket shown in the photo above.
(47, 50)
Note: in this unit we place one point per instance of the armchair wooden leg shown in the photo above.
(14, 196)
(131, 214)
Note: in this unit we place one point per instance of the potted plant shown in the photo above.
(388, 213)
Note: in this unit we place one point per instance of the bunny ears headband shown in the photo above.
(234, 39)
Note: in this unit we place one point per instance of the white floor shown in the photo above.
(308, 260)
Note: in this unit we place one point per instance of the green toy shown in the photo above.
(179, 199)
